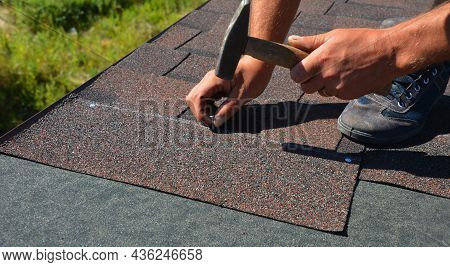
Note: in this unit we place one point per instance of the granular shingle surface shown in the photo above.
(424, 168)
(419, 5)
(208, 43)
(328, 23)
(317, 7)
(176, 36)
(151, 58)
(184, 158)
(371, 12)
(193, 68)
(127, 89)
(221, 6)
(201, 20)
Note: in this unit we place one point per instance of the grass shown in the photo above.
(48, 48)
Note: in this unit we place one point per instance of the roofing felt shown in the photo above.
(46, 206)
(129, 125)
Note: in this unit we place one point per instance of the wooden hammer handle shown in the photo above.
(274, 53)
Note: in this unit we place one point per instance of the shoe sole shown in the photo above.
(367, 138)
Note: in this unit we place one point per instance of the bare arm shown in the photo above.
(270, 20)
(422, 41)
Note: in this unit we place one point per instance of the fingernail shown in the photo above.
(218, 121)
(294, 38)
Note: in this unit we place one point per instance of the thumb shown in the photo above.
(227, 110)
(307, 43)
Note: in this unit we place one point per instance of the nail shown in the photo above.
(218, 121)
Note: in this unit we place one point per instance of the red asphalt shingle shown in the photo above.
(193, 68)
(316, 7)
(132, 90)
(201, 20)
(221, 6)
(153, 59)
(419, 5)
(369, 12)
(176, 36)
(181, 157)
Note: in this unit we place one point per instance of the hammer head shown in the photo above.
(234, 43)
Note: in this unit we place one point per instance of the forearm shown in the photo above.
(421, 41)
(271, 19)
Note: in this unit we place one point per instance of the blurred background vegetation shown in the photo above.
(50, 47)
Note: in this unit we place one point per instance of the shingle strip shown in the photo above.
(124, 88)
(193, 68)
(176, 36)
(201, 20)
(153, 59)
(370, 12)
(418, 5)
(316, 7)
(221, 6)
(184, 158)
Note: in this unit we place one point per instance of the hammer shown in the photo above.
(237, 43)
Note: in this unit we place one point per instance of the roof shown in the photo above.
(130, 124)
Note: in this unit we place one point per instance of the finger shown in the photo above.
(321, 92)
(328, 92)
(197, 109)
(308, 68)
(202, 96)
(232, 105)
(313, 85)
(307, 43)
(226, 111)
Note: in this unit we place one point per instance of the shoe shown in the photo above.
(400, 115)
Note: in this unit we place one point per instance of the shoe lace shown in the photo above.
(405, 89)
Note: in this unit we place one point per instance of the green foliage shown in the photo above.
(39, 65)
(79, 14)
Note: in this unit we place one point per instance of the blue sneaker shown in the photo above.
(394, 118)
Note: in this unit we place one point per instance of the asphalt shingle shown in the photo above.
(127, 89)
(317, 7)
(327, 23)
(181, 157)
(220, 6)
(201, 20)
(193, 68)
(418, 5)
(209, 43)
(370, 12)
(153, 59)
(176, 36)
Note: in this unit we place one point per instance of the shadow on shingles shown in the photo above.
(417, 163)
(322, 153)
(254, 118)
